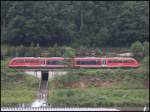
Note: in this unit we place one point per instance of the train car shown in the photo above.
(78, 62)
(95, 62)
(122, 62)
(32, 62)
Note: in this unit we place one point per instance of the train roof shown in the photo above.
(74, 58)
(35, 58)
(103, 58)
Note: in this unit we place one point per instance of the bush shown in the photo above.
(95, 97)
(37, 50)
(69, 52)
(31, 50)
(11, 51)
(137, 49)
(146, 48)
(54, 51)
(146, 61)
(68, 79)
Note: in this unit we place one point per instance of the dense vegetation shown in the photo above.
(74, 23)
(94, 88)
(97, 97)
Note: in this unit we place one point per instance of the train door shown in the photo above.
(103, 62)
(42, 62)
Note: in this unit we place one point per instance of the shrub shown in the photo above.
(137, 49)
(69, 52)
(31, 50)
(37, 50)
(54, 51)
(11, 51)
(68, 79)
(146, 61)
(94, 97)
(146, 48)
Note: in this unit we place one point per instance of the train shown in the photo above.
(76, 62)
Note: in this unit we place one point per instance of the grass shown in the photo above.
(18, 91)
(17, 96)
(16, 87)
(124, 78)
(96, 97)
(128, 91)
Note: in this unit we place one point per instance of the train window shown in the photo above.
(104, 62)
(20, 61)
(87, 62)
(55, 62)
(127, 61)
(98, 61)
(32, 61)
(115, 61)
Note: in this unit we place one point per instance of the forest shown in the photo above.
(74, 23)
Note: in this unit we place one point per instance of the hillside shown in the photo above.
(94, 88)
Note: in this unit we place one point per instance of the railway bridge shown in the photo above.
(52, 64)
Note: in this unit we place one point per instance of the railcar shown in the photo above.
(33, 62)
(105, 62)
(77, 62)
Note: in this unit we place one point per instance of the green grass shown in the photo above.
(17, 96)
(129, 90)
(16, 87)
(96, 97)
(123, 77)
(18, 91)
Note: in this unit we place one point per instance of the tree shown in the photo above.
(137, 49)
(20, 51)
(31, 51)
(37, 50)
(69, 52)
(74, 23)
(146, 62)
(146, 48)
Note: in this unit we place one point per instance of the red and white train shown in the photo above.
(77, 62)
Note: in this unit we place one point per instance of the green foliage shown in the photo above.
(11, 51)
(37, 50)
(93, 97)
(20, 51)
(74, 23)
(137, 49)
(69, 52)
(17, 96)
(54, 51)
(16, 87)
(66, 79)
(146, 62)
(31, 51)
(146, 48)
